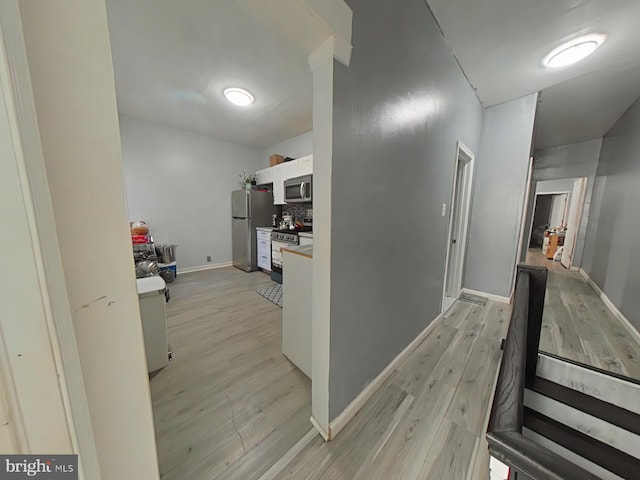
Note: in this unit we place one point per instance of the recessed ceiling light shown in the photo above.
(574, 51)
(238, 96)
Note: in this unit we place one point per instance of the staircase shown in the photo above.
(555, 419)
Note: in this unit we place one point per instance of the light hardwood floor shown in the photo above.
(578, 325)
(428, 420)
(230, 404)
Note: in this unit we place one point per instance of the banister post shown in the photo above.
(537, 291)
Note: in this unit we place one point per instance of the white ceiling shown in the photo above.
(500, 45)
(172, 59)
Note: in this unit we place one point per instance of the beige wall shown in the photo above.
(7, 441)
(70, 59)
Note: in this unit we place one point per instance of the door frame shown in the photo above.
(579, 204)
(42, 304)
(463, 153)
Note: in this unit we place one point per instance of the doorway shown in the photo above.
(458, 225)
(558, 208)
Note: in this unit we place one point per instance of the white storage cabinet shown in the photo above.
(264, 249)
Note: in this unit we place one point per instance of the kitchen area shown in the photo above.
(272, 227)
(238, 390)
(217, 142)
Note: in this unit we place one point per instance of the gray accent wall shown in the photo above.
(568, 161)
(611, 256)
(500, 182)
(399, 109)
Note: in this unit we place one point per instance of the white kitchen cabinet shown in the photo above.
(296, 309)
(293, 169)
(305, 165)
(264, 249)
(301, 166)
(284, 171)
(305, 239)
(264, 176)
(279, 176)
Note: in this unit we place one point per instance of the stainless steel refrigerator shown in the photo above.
(249, 209)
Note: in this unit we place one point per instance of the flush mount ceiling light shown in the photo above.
(238, 96)
(573, 51)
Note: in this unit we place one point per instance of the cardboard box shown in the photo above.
(275, 160)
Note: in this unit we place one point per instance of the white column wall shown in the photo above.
(70, 61)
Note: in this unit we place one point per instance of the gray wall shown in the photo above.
(181, 183)
(500, 182)
(611, 253)
(568, 161)
(399, 109)
(294, 147)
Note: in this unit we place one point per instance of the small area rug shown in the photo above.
(273, 293)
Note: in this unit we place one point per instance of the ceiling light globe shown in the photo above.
(238, 96)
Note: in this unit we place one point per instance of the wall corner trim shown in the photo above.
(325, 435)
(490, 296)
(333, 47)
(611, 306)
(356, 405)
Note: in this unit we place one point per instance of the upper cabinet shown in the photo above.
(279, 176)
(284, 171)
(264, 176)
(301, 166)
(305, 165)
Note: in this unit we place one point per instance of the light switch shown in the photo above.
(444, 209)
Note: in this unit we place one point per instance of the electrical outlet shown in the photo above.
(209, 258)
(444, 209)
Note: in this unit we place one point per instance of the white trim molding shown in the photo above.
(57, 361)
(354, 407)
(200, 268)
(490, 296)
(467, 195)
(610, 305)
(320, 430)
(332, 47)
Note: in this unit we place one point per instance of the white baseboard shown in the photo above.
(208, 266)
(614, 310)
(354, 407)
(490, 296)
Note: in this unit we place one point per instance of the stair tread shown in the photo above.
(609, 412)
(608, 457)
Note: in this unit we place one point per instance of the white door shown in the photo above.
(573, 221)
(458, 223)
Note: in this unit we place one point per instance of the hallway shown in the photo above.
(428, 420)
(577, 325)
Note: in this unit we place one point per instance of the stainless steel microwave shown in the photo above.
(299, 189)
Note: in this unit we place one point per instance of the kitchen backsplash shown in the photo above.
(302, 210)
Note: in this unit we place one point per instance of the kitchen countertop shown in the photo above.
(264, 229)
(305, 250)
(306, 234)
